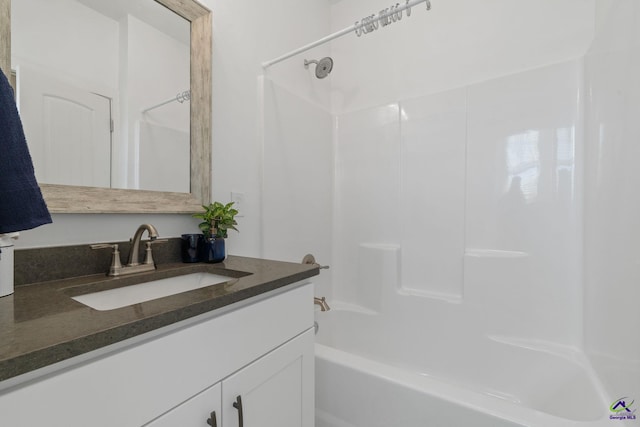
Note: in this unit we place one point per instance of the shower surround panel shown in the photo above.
(472, 199)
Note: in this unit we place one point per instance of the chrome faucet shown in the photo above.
(322, 303)
(133, 264)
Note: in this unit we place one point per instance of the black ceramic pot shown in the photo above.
(212, 249)
(191, 247)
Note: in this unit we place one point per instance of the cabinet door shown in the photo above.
(201, 410)
(275, 390)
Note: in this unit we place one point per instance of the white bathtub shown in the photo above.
(367, 376)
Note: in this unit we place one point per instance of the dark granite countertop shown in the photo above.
(40, 324)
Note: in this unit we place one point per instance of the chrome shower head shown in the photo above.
(323, 66)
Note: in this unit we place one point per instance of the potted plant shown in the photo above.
(217, 219)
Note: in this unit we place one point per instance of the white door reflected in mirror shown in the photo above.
(68, 130)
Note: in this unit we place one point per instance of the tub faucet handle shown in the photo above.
(322, 302)
(310, 259)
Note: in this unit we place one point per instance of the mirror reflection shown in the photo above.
(103, 92)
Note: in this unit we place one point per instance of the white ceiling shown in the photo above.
(148, 11)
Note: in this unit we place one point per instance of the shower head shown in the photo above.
(323, 66)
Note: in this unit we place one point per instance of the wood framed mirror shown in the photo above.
(78, 199)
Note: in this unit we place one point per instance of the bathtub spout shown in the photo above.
(322, 303)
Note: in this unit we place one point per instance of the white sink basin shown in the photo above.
(134, 294)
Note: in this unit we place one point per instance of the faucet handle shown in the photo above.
(322, 302)
(310, 259)
(148, 255)
(116, 265)
(103, 246)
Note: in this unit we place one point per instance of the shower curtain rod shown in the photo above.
(371, 20)
(180, 97)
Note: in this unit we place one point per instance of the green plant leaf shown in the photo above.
(217, 219)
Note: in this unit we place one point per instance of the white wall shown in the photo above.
(456, 43)
(612, 230)
(298, 183)
(247, 33)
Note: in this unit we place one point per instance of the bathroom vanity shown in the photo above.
(238, 353)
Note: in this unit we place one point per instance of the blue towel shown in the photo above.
(22, 206)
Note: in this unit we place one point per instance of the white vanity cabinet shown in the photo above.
(272, 391)
(259, 353)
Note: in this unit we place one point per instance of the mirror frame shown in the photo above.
(76, 199)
